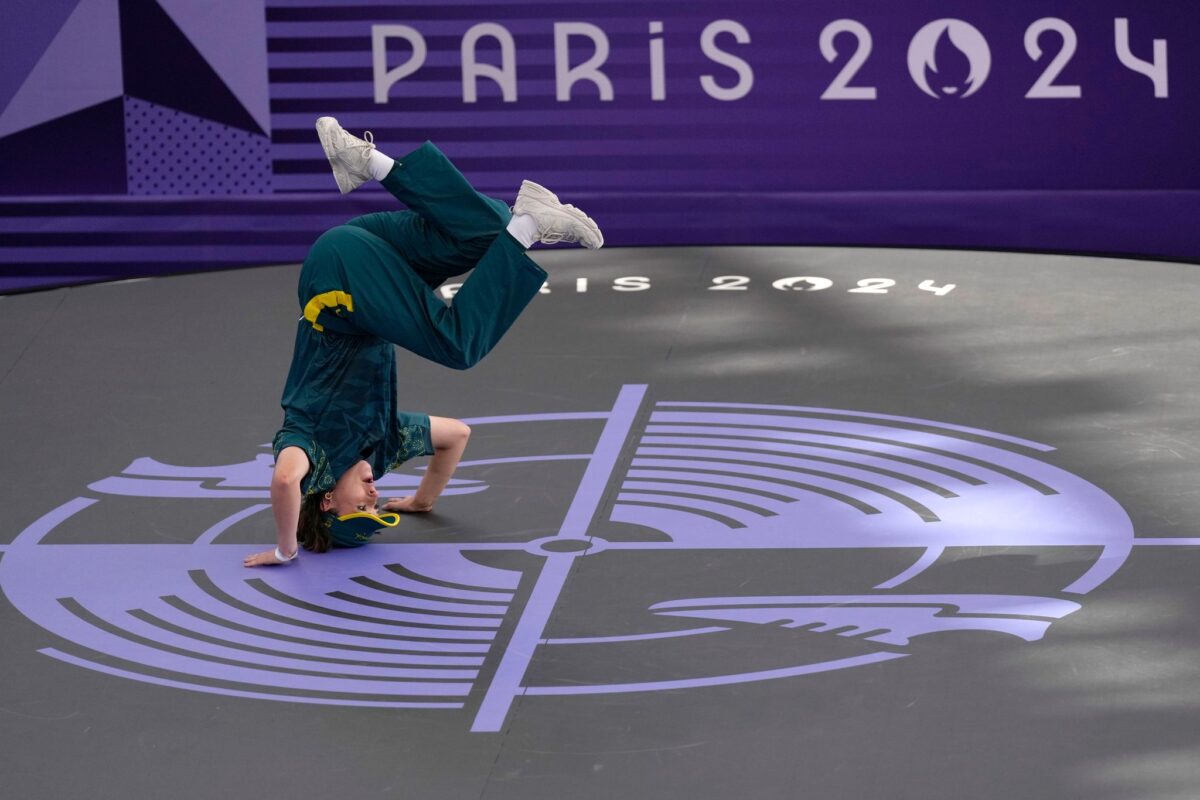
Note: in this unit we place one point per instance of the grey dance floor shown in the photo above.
(734, 522)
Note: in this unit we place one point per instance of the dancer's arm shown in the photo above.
(290, 469)
(449, 437)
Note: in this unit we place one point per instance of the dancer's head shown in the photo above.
(354, 492)
(345, 516)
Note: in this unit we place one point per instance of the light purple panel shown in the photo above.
(41, 22)
(78, 66)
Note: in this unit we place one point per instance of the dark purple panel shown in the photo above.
(163, 67)
(787, 133)
(944, 153)
(84, 151)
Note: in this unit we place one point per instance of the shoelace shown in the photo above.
(366, 144)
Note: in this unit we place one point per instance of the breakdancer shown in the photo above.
(368, 285)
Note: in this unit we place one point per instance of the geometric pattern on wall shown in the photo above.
(169, 152)
(74, 95)
(50, 73)
(161, 64)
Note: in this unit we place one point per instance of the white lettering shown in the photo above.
(940, 291)
(729, 283)
(631, 284)
(504, 75)
(565, 76)
(840, 89)
(499, 60)
(744, 72)
(658, 80)
(1156, 70)
(1045, 88)
(874, 286)
(385, 78)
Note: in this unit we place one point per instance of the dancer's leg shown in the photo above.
(392, 302)
(429, 184)
(431, 253)
(450, 224)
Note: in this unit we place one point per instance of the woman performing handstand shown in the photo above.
(368, 285)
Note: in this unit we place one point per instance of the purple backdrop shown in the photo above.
(144, 137)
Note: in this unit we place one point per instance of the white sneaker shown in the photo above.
(557, 222)
(347, 154)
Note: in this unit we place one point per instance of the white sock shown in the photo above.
(379, 165)
(524, 229)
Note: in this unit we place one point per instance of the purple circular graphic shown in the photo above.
(412, 625)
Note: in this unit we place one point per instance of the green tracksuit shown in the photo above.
(368, 285)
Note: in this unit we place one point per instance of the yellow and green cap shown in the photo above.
(355, 530)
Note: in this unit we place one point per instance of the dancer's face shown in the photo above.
(354, 491)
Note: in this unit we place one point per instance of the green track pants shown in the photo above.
(376, 275)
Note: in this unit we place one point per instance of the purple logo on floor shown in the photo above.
(431, 625)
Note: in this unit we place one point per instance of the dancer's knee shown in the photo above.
(342, 236)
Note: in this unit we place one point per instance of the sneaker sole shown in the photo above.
(325, 128)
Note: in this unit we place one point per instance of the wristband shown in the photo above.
(281, 559)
